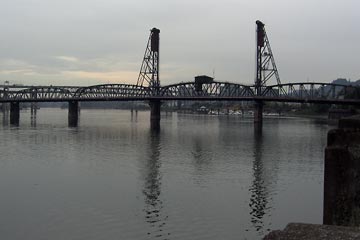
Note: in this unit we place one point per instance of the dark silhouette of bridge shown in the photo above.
(148, 87)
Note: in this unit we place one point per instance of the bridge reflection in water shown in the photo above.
(152, 188)
(259, 193)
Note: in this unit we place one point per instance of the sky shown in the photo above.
(89, 42)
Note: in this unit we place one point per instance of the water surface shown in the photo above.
(200, 177)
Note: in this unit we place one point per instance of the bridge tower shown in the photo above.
(149, 74)
(265, 67)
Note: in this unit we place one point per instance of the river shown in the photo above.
(200, 177)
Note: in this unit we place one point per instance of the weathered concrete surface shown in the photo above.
(342, 174)
(73, 117)
(258, 114)
(155, 107)
(301, 231)
(15, 113)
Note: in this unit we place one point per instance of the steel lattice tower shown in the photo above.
(265, 62)
(149, 72)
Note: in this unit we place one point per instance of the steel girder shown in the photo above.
(47, 93)
(108, 91)
(213, 90)
(292, 92)
(309, 90)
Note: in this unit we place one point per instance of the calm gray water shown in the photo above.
(201, 177)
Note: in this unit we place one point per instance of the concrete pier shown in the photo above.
(73, 117)
(341, 177)
(33, 110)
(155, 106)
(5, 107)
(258, 113)
(5, 119)
(15, 113)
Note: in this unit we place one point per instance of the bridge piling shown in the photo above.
(73, 117)
(15, 113)
(33, 110)
(5, 107)
(155, 106)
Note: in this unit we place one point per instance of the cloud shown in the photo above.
(104, 77)
(109, 37)
(68, 68)
(67, 58)
(18, 71)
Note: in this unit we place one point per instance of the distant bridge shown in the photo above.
(148, 88)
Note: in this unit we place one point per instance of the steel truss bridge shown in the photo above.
(306, 92)
(148, 87)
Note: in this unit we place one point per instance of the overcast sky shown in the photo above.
(87, 42)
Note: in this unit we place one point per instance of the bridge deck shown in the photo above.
(322, 93)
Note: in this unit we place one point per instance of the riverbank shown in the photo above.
(305, 115)
(323, 116)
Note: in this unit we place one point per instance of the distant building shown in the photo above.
(200, 80)
(202, 110)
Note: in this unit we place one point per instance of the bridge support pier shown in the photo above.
(33, 114)
(73, 117)
(155, 106)
(5, 107)
(258, 113)
(33, 109)
(15, 113)
(341, 178)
